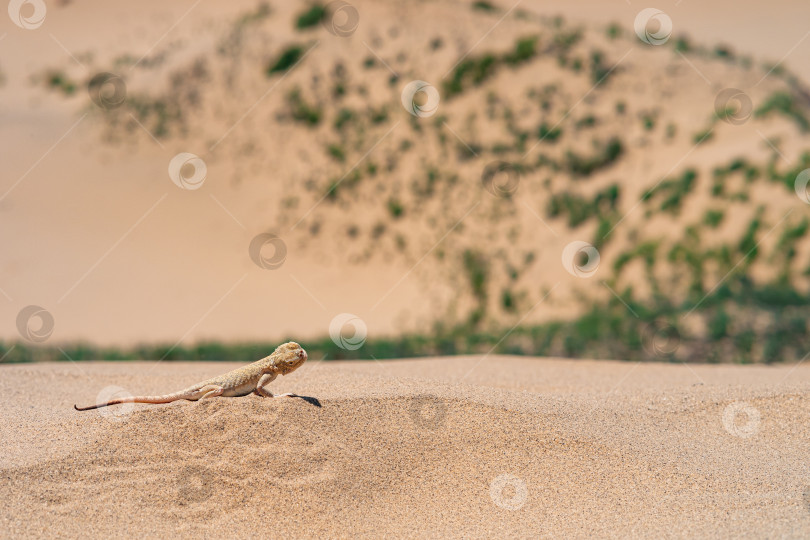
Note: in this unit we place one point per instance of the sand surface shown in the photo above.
(465, 446)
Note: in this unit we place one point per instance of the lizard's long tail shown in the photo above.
(136, 399)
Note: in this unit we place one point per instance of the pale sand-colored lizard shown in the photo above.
(239, 382)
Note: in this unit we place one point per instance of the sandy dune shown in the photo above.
(427, 448)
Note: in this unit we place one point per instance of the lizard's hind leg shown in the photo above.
(210, 391)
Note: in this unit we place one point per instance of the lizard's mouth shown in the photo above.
(302, 354)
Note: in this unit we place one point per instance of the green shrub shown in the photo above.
(782, 102)
(483, 5)
(311, 17)
(605, 156)
(713, 218)
(301, 110)
(525, 50)
(287, 59)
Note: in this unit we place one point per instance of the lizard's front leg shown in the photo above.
(266, 379)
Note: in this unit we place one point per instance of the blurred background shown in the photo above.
(199, 180)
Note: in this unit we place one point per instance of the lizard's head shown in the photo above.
(289, 357)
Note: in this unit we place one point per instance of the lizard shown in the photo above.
(251, 378)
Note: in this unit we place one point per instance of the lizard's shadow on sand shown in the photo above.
(310, 400)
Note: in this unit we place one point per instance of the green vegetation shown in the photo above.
(483, 5)
(59, 81)
(476, 268)
(474, 70)
(470, 71)
(287, 59)
(614, 31)
(713, 218)
(648, 120)
(784, 103)
(395, 208)
(579, 209)
(672, 191)
(336, 151)
(311, 17)
(599, 70)
(703, 136)
(525, 49)
(548, 133)
(301, 110)
(738, 315)
(605, 155)
(344, 117)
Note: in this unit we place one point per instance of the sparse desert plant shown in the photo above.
(784, 103)
(548, 133)
(672, 191)
(395, 208)
(704, 136)
(287, 59)
(713, 218)
(606, 154)
(57, 80)
(525, 49)
(301, 111)
(483, 5)
(310, 17)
